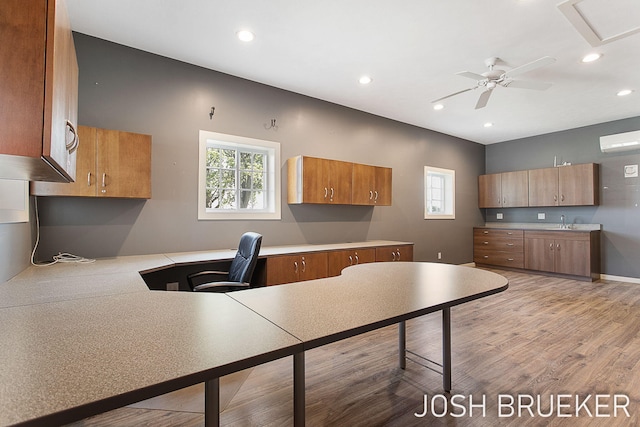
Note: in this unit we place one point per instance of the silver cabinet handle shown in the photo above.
(370, 195)
(104, 179)
(485, 243)
(357, 259)
(350, 260)
(558, 246)
(486, 257)
(562, 198)
(376, 198)
(331, 193)
(394, 255)
(295, 266)
(486, 232)
(398, 251)
(509, 244)
(326, 192)
(89, 179)
(551, 246)
(509, 233)
(304, 265)
(510, 259)
(73, 145)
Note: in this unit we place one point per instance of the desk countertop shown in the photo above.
(118, 275)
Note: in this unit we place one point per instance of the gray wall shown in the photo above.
(618, 211)
(126, 89)
(15, 249)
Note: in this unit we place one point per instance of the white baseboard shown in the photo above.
(602, 276)
(620, 278)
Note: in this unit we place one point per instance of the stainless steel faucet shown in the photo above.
(564, 225)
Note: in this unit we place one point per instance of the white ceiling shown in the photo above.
(411, 48)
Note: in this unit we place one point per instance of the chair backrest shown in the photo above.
(244, 263)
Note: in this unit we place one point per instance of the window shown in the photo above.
(439, 193)
(239, 178)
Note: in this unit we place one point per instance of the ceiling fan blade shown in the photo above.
(545, 60)
(527, 84)
(453, 94)
(484, 98)
(471, 75)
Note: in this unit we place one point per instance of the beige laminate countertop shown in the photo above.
(118, 275)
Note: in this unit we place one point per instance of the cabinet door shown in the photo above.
(515, 189)
(124, 164)
(543, 187)
(282, 269)
(340, 181)
(61, 92)
(539, 254)
(364, 183)
(573, 257)
(384, 187)
(315, 186)
(313, 266)
(490, 191)
(85, 183)
(339, 260)
(578, 185)
(394, 253)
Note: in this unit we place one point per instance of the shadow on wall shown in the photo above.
(65, 226)
(316, 222)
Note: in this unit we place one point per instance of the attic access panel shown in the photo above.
(603, 21)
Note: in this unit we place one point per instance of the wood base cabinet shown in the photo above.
(110, 163)
(394, 253)
(502, 247)
(573, 253)
(296, 268)
(339, 260)
(39, 91)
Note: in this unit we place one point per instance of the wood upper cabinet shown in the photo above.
(579, 185)
(296, 268)
(566, 252)
(315, 180)
(39, 87)
(573, 185)
(372, 185)
(339, 260)
(111, 163)
(543, 187)
(394, 253)
(503, 190)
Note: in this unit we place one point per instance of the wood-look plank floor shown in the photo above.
(543, 337)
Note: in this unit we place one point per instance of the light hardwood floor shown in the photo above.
(543, 337)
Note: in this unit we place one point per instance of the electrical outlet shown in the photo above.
(439, 255)
(499, 216)
(541, 215)
(173, 286)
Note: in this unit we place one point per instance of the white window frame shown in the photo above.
(448, 177)
(273, 210)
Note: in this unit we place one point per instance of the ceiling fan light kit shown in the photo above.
(489, 80)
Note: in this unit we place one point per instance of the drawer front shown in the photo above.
(492, 243)
(498, 232)
(515, 260)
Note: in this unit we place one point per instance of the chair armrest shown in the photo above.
(213, 285)
(208, 273)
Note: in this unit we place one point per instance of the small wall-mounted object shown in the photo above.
(631, 171)
(620, 142)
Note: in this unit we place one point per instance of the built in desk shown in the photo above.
(104, 341)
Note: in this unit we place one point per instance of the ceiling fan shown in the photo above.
(492, 78)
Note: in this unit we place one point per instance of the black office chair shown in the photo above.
(240, 272)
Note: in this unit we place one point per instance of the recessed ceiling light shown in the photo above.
(488, 124)
(365, 80)
(438, 107)
(245, 35)
(624, 92)
(591, 57)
